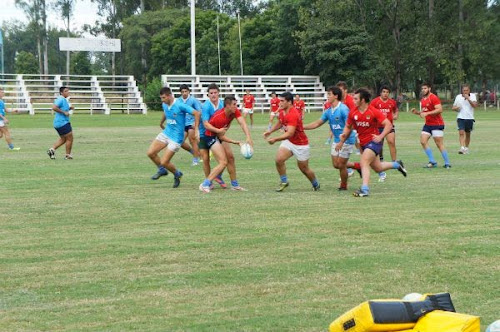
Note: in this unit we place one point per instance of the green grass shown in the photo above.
(93, 244)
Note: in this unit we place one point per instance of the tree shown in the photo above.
(66, 7)
(80, 64)
(26, 63)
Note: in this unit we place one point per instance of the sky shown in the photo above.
(84, 13)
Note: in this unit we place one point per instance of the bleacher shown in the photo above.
(88, 94)
(310, 88)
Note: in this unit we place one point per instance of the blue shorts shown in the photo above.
(465, 124)
(393, 130)
(429, 129)
(188, 128)
(208, 142)
(375, 147)
(64, 130)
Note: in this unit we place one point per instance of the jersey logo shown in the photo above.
(336, 126)
(367, 117)
(363, 124)
(171, 121)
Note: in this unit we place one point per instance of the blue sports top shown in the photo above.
(61, 119)
(194, 103)
(337, 119)
(2, 107)
(207, 111)
(175, 115)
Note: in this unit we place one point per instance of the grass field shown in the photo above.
(93, 244)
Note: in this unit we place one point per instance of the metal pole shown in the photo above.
(193, 42)
(241, 54)
(218, 44)
(1, 51)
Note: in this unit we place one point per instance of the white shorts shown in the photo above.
(345, 152)
(434, 133)
(2, 124)
(171, 145)
(301, 152)
(248, 110)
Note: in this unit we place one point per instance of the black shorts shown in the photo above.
(188, 128)
(64, 130)
(381, 129)
(465, 124)
(206, 142)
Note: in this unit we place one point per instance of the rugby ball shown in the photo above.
(494, 327)
(246, 151)
(412, 297)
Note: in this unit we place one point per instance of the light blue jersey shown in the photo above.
(337, 119)
(176, 120)
(2, 107)
(61, 119)
(194, 103)
(207, 111)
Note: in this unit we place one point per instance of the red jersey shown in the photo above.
(366, 123)
(275, 104)
(299, 105)
(388, 107)
(294, 118)
(349, 102)
(430, 102)
(221, 120)
(248, 101)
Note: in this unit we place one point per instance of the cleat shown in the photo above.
(14, 149)
(52, 153)
(402, 169)
(159, 174)
(196, 161)
(431, 165)
(447, 166)
(382, 176)
(238, 188)
(466, 151)
(204, 189)
(360, 193)
(350, 172)
(221, 182)
(316, 188)
(342, 188)
(68, 157)
(461, 151)
(177, 180)
(282, 186)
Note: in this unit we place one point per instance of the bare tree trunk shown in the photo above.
(460, 37)
(430, 60)
(44, 37)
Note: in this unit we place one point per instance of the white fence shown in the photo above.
(310, 88)
(88, 94)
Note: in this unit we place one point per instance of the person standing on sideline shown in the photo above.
(434, 125)
(366, 120)
(349, 102)
(274, 109)
(62, 125)
(4, 130)
(464, 104)
(294, 142)
(248, 105)
(172, 136)
(390, 108)
(217, 141)
(337, 115)
(189, 100)
(299, 105)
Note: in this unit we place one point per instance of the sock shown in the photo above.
(191, 151)
(284, 178)
(234, 183)
(162, 168)
(395, 165)
(269, 127)
(444, 153)
(357, 166)
(206, 183)
(365, 188)
(177, 173)
(219, 176)
(343, 185)
(315, 183)
(11, 146)
(429, 154)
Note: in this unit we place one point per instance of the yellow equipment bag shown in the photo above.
(389, 315)
(444, 321)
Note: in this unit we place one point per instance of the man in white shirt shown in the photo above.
(464, 104)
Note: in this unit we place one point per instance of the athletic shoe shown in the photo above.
(195, 162)
(282, 186)
(431, 165)
(14, 149)
(402, 169)
(461, 151)
(238, 188)
(177, 180)
(159, 174)
(316, 188)
(349, 174)
(447, 166)
(360, 193)
(221, 183)
(204, 189)
(342, 188)
(466, 151)
(382, 176)
(68, 157)
(52, 153)
(327, 141)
